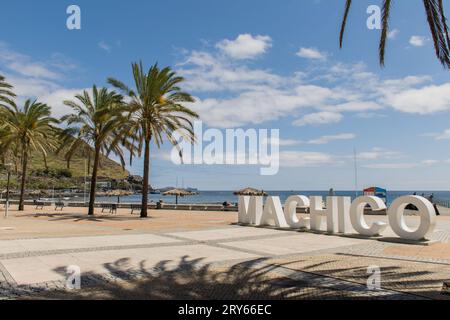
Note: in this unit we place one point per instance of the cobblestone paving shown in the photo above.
(335, 273)
(216, 281)
(285, 282)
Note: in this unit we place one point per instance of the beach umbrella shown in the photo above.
(250, 192)
(118, 194)
(178, 193)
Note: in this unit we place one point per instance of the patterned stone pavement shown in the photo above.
(229, 262)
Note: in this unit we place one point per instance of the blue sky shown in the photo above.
(258, 64)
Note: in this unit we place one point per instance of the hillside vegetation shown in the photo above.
(58, 175)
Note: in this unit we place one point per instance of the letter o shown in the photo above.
(427, 218)
(357, 216)
(290, 211)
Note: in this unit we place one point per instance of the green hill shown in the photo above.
(58, 175)
(108, 168)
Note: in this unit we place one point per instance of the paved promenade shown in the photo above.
(198, 255)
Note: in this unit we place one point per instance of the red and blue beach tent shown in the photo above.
(377, 192)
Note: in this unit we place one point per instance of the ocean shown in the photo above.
(218, 197)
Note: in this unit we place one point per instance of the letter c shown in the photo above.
(357, 216)
(290, 211)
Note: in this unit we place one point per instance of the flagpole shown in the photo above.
(356, 173)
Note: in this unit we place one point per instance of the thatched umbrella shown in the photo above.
(118, 194)
(250, 192)
(178, 193)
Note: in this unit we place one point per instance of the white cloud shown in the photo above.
(324, 117)
(329, 138)
(296, 159)
(245, 46)
(417, 41)
(208, 73)
(56, 99)
(445, 135)
(37, 80)
(424, 100)
(260, 105)
(393, 34)
(34, 70)
(311, 53)
(379, 153)
(430, 162)
(104, 46)
(25, 66)
(231, 93)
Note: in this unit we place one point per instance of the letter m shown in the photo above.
(250, 209)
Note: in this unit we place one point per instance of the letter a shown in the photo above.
(273, 214)
(74, 20)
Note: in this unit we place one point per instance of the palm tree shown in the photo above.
(6, 95)
(97, 121)
(155, 111)
(27, 129)
(437, 21)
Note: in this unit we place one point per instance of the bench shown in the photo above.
(59, 205)
(135, 207)
(39, 204)
(199, 207)
(112, 207)
(214, 208)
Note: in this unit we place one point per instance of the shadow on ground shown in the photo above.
(419, 279)
(83, 217)
(194, 280)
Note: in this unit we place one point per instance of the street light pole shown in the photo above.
(8, 170)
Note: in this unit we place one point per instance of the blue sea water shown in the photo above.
(218, 197)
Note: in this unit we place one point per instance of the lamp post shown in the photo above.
(8, 171)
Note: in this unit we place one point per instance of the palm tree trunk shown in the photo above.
(24, 179)
(89, 163)
(94, 182)
(146, 179)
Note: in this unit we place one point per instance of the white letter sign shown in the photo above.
(357, 216)
(427, 218)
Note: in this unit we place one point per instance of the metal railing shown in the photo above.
(442, 203)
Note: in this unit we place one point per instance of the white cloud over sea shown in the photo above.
(232, 92)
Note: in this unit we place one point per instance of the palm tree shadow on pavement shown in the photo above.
(192, 279)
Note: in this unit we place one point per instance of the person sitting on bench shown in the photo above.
(60, 205)
(112, 207)
(39, 204)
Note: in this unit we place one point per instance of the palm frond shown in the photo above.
(348, 5)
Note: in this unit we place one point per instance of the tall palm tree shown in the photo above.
(437, 21)
(27, 129)
(6, 95)
(97, 121)
(156, 111)
(6, 99)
